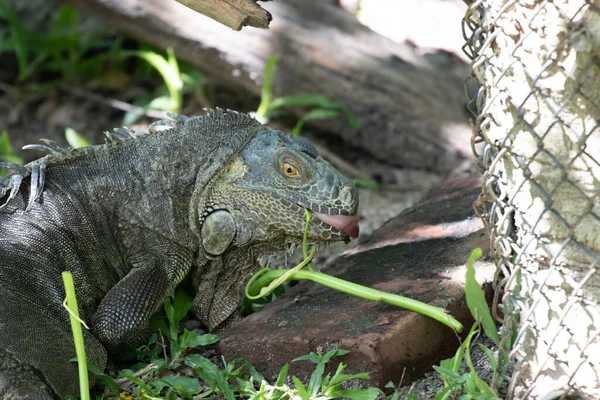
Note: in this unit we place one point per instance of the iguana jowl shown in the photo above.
(200, 197)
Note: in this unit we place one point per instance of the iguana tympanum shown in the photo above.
(200, 197)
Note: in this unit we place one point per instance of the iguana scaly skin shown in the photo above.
(200, 197)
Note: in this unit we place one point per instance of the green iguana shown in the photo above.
(200, 198)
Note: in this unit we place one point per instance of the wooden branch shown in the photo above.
(232, 13)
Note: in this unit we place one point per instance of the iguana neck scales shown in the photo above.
(200, 197)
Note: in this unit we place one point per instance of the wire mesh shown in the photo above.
(534, 94)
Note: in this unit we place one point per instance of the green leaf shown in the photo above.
(337, 379)
(335, 353)
(476, 300)
(475, 382)
(190, 339)
(210, 374)
(490, 357)
(127, 373)
(206, 368)
(282, 375)
(319, 113)
(312, 357)
(6, 150)
(317, 376)
(360, 394)
(366, 183)
(444, 394)
(178, 308)
(168, 68)
(315, 379)
(353, 122)
(315, 100)
(300, 388)
(254, 374)
(75, 139)
(450, 376)
(18, 36)
(65, 22)
(192, 80)
(183, 385)
(164, 103)
(305, 100)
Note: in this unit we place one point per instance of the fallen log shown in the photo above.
(411, 110)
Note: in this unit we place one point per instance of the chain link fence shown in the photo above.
(535, 97)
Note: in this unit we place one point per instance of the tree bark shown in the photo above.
(411, 110)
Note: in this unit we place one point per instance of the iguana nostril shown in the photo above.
(346, 194)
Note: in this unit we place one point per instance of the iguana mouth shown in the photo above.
(345, 223)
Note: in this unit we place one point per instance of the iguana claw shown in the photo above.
(14, 185)
(38, 178)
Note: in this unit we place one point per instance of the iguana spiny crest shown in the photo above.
(200, 197)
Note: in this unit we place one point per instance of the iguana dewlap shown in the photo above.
(200, 197)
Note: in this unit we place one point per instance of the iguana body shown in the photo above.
(203, 197)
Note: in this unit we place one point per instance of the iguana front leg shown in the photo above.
(123, 317)
(221, 269)
(218, 285)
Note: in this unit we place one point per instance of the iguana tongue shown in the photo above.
(345, 223)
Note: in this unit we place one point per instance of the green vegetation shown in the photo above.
(458, 373)
(321, 107)
(437, 313)
(6, 150)
(63, 57)
(151, 383)
(60, 50)
(159, 374)
(7, 153)
(176, 81)
(75, 139)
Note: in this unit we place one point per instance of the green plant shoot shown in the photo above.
(169, 70)
(70, 304)
(266, 281)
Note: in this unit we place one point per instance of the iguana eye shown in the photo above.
(289, 170)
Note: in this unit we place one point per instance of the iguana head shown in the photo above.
(271, 183)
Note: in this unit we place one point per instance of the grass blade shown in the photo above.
(71, 306)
